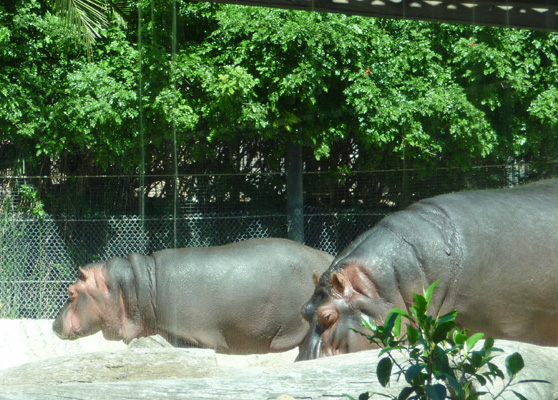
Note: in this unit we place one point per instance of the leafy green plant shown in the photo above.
(31, 201)
(439, 360)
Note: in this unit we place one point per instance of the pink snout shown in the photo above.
(67, 325)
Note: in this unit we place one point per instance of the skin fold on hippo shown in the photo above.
(495, 253)
(240, 298)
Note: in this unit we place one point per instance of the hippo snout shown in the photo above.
(58, 325)
(310, 347)
(66, 325)
(57, 328)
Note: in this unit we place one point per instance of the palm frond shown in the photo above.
(120, 10)
(90, 17)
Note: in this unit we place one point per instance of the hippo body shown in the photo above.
(233, 298)
(495, 253)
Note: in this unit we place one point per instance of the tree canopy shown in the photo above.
(356, 92)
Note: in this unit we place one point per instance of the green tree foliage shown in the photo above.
(508, 75)
(57, 109)
(358, 93)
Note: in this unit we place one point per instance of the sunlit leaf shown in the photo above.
(430, 291)
(472, 341)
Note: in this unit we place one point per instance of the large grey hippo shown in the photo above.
(239, 298)
(495, 253)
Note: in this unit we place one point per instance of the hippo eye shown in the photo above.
(327, 318)
(71, 293)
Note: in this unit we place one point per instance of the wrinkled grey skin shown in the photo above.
(495, 253)
(240, 298)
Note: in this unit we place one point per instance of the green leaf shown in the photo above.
(495, 370)
(452, 380)
(441, 331)
(397, 327)
(468, 369)
(436, 392)
(388, 349)
(441, 361)
(472, 341)
(514, 364)
(390, 323)
(476, 359)
(488, 343)
(405, 393)
(519, 395)
(481, 379)
(401, 312)
(383, 371)
(459, 337)
(412, 335)
(368, 324)
(419, 306)
(449, 317)
(429, 292)
(416, 353)
(412, 372)
(532, 381)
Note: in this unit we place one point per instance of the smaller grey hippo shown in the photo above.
(240, 298)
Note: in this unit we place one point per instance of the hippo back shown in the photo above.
(240, 295)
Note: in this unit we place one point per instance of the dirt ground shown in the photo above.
(23, 341)
(36, 365)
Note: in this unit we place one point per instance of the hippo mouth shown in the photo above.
(331, 351)
(311, 348)
(63, 332)
(67, 326)
(316, 349)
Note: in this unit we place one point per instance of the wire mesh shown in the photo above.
(52, 226)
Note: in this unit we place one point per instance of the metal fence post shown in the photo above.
(295, 198)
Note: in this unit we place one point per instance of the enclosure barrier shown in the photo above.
(49, 228)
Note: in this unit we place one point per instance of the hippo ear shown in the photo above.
(316, 277)
(82, 275)
(86, 274)
(352, 280)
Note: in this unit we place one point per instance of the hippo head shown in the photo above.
(90, 307)
(342, 295)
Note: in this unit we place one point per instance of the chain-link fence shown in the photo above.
(50, 226)
(40, 256)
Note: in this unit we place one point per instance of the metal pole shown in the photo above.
(295, 194)
(175, 151)
(141, 122)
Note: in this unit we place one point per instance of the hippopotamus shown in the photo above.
(240, 298)
(494, 252)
